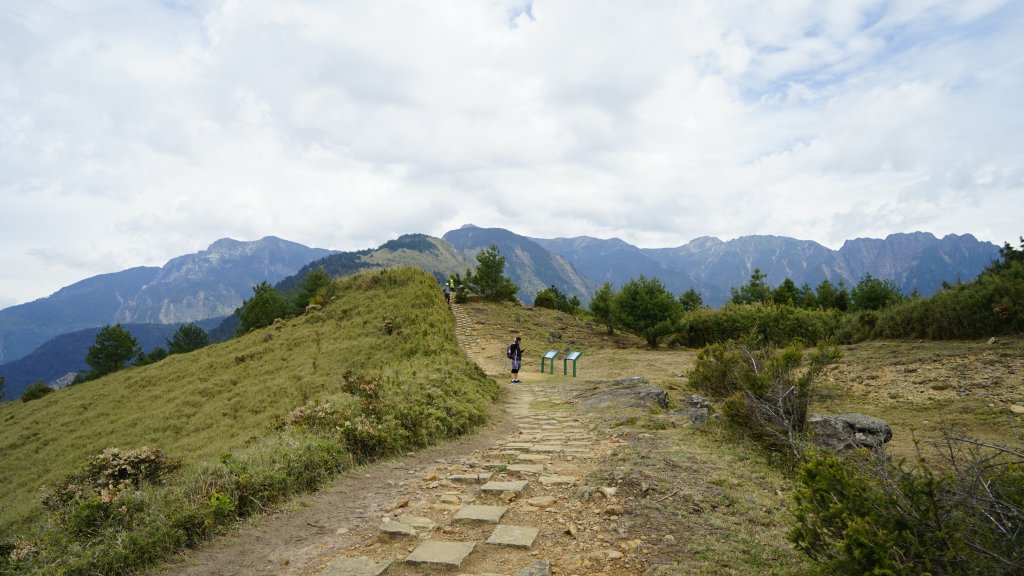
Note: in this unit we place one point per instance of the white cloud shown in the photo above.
(130, 134)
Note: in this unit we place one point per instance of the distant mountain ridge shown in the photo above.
(214, 282)
(528, 264)
(64, 355)
(914, 261)
(207, 284)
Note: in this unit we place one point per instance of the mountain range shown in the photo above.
(915, 262)
(207, 284)
(58, 360)
(214, 282)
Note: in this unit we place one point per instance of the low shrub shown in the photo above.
(35, 391)
(991, 305)
(774, 323)
(869, 515)
(766, 391)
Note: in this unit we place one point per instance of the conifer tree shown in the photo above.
(115, 347)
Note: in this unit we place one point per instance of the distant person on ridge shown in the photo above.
(515, 353)
(447, 294)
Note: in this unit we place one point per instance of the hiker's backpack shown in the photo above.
(508, 351)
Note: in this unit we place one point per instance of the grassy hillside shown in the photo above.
(388, 330)
(420, 251)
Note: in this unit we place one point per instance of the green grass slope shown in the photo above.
(381, 363)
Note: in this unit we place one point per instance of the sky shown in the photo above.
(134, 132)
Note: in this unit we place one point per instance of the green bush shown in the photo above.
(644, 307)
(869, 515)
(991, 305)
(35, 391)
(766, 391)
(774, 323)
(265, 306)
(555, 299)
(874, 294)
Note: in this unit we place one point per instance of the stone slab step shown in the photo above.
(420, 523)
(479, 513)
(441, 554)
(476, 478)
(526, 468)
(392, 528)
(516, 536)
(519, 445)
(515, 486)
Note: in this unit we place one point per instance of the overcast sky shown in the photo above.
(133, 132)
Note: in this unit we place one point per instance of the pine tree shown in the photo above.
(115, 347)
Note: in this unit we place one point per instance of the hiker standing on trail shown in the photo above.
(447, 294)
(515, 353)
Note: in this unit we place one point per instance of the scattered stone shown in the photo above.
(517, 536)
(354, 567)
(550, 480)
(608, 491)
(1016, 408)
(448, 554)
(613, 554)
(477, 513)
(536, 568)
(572, 530)
(400, 503)
(631, 545)
(542, 501)
(694, 415)
(697, 401)
(533, 457)
(614, 510)
(992, 340)
(847, 431)
(669, 539)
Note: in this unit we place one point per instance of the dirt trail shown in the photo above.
(505, 500)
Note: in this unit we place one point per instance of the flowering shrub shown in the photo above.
(119, 466)
(320, 418)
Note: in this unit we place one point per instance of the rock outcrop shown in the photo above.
(626, 393)
(848, 431)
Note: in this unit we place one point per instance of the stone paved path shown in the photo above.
(510, 510)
